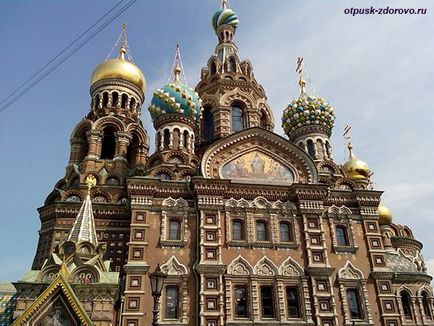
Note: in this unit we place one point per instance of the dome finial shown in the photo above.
(354, 168)
(301, 81)
(124, 45)
(224, 4)
(177, 66)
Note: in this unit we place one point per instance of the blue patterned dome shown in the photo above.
(178, 98)
(307, 110)
(224, 16)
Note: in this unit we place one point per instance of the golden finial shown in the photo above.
(224, 4)
(177, 65)
(91, 182)
(63, 269)
(124, 46)
(301, 82)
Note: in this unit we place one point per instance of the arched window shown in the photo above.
(174, 230)
(354, 304)
(108, 148)
(311, 148)
(328, 149)
(237, 230)
(171, 309)
(237, 118)
(96, 102)
(292, 302)
(406, 305)
(207, 124)
(133, 150)
(104, 99)
(133, 104)
(263, 121)
(83, 146)
(213, 68)
(186, 136)
(341, 235)
(285, 232)
(261, 231)
(241, 301)
(166, 138)
(425, 303)
(301, 145)
(124, 101)
(232, 65)
(115, 99)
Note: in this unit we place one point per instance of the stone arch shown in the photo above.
(261, 203)
(179, 203)
(349, 272)
(98, 195)
(345, 184)
(240, 266)
(291, 268)
(139, 131)
(174, 267)
(84, 274)
(110, 120)
(265, 267)
(237, 95)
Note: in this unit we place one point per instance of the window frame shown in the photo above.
(298, 301)
(241, 230)
(177, 302)
(409, 316)
(290, 236)
(273, 301)
(241, 107)
(246, 304)
(265, 231)
(358, 302)
(169, 230)
(344, 229)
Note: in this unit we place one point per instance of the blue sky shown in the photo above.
(377, 71)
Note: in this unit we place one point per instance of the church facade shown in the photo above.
(250, 227)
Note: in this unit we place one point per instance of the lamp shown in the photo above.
(157, 282)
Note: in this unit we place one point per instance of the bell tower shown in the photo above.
(232, 98)
(109, 144)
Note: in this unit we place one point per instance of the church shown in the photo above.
(242, 226)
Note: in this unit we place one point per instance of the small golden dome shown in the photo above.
(384, 215)
(354, 168)
(119, 68)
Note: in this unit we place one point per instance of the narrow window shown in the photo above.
(240, 294)
(124, 101)
(341, 235)
(311, 148)
(213, 68)
(406, 304)
(425, 303)
(292, 302)
(328, 150)
(133, 150)
(261, 231)
(237, 230)
(263, 122)
(115, 99)
(207, 124)
(231, 65)
(354, 304)
(185, 139)
(108, 147)
(104, 99)
(285, 232)
(133, 104)
(166, 135)
(172, 301)
(237, 119)
(267, 302)
(174, 230)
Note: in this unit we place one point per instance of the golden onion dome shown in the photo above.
(354, 168)
(384, 215)
(119, 68)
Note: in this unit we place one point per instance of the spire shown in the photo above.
(301, 81)
(84, 225)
